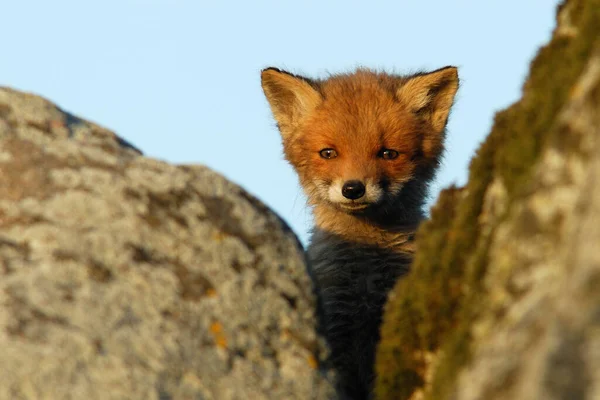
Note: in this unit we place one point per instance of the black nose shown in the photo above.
(353, 190)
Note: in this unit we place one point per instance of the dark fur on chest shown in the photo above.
(353, 282)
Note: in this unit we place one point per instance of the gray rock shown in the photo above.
(125, 277)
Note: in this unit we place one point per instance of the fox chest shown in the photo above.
(353, 281)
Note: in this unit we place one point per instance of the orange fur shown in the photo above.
(358, 115)
(365, 146)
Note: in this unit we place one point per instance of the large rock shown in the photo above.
(123, 277)
(504, 298)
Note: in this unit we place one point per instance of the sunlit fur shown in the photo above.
(360, 247)
(331, 191)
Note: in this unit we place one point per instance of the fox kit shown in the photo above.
(365, 146)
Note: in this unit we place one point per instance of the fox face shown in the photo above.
(356, 140)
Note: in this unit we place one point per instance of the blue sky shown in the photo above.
(181, 79)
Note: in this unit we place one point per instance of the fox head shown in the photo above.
(358, 140)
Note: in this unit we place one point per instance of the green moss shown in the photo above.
(403, 352)
(525, 128)
(435, 306)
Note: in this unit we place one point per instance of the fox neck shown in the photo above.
(390, 227)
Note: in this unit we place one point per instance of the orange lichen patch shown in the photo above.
(216, 328)
(221, 342)
(211, 292)
(312, 362)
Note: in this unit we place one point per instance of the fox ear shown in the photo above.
(291, 97)
(431, 94)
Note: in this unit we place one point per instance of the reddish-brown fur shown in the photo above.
(363, 240)
(358, 117)
(358, 114)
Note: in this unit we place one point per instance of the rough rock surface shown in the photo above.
(504, 298)
(123, 277)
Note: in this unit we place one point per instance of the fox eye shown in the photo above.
(388, 154)
(328, 153)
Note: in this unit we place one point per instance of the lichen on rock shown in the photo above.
(124, 277)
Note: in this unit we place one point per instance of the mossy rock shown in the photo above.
(462, 287)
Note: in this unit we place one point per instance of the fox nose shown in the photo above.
(353, 190)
